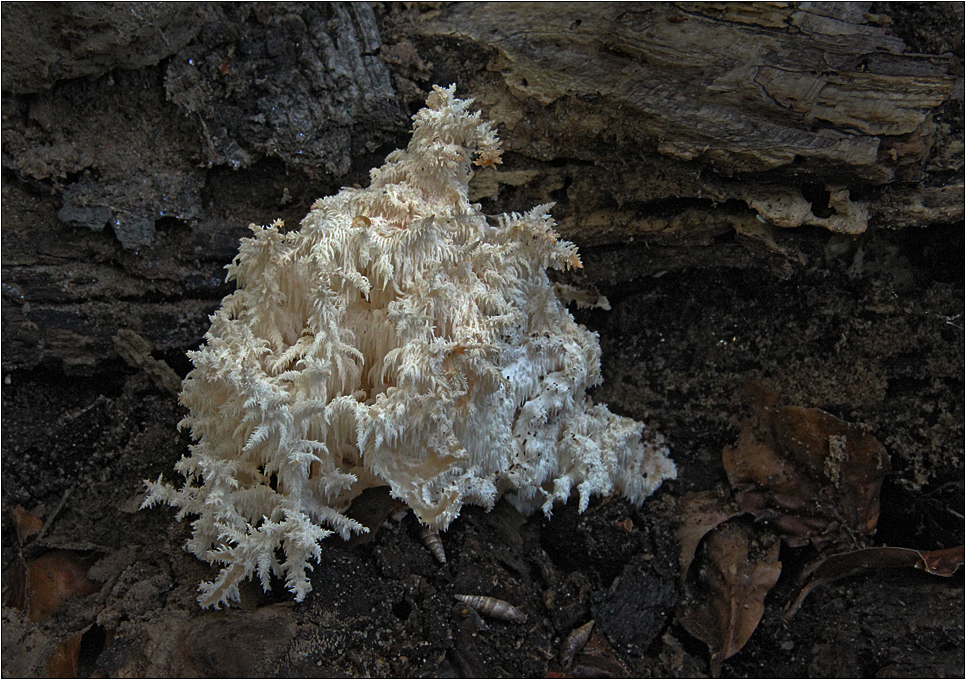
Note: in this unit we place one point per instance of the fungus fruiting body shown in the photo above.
(398, 338)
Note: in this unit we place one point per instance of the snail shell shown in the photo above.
(493, 607)
(431, 539)
(576, 640)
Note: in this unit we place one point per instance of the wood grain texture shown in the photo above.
(716, 102)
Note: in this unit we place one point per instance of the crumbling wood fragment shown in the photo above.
(136, 352)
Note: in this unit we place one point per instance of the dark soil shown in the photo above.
(869, 329)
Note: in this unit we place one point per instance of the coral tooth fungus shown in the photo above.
(435, 359)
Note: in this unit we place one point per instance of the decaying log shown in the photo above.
(669, 135)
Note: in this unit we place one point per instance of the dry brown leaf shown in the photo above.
(942, 563)
(62, 664)
(26, 523)
(598, 660)
(699, 513)
(813, 476)
(726, 588)
(52, 579)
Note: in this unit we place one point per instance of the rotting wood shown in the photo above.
(803, 115)
(690, 134)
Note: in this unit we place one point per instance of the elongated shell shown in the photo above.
(431, 539)
(576, 640)
(493, 607)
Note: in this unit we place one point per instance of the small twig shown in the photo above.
(51, 516)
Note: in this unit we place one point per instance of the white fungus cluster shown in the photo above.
(398, 338)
